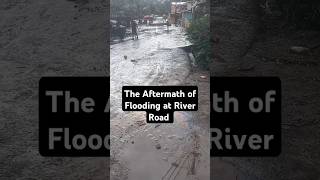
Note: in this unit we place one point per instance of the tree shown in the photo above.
(139, 8)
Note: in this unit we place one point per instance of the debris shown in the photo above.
(140, 123)
(157, 125)
(175, 164)
(203, 77)
(158, 146)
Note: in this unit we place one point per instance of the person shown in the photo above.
(134, 28)
(168, 24)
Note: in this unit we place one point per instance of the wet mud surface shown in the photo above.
(45, 38)
(155, 151)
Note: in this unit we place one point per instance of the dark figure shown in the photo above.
(134, 28)
(168, 24)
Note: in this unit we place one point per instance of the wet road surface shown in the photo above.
(154, 151)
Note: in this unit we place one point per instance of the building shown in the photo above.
(183, 13)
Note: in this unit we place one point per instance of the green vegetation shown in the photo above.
(199, 35)
(139, 8)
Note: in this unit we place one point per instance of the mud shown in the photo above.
(149, 151)
(242, 50)
(45, 38)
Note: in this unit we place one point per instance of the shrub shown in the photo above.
(199, 35)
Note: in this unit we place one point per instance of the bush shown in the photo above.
(199, 35)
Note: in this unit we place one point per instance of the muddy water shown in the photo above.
(143, 151)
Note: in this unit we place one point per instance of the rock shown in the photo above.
(299, 49)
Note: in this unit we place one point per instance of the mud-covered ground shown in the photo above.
(247, 44)
(49, 38)
(45, 38)
(156, 151)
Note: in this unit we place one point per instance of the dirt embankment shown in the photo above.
(45, 38)
(241, 50)
(234, 25)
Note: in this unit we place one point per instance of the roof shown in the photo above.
(179, 3)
